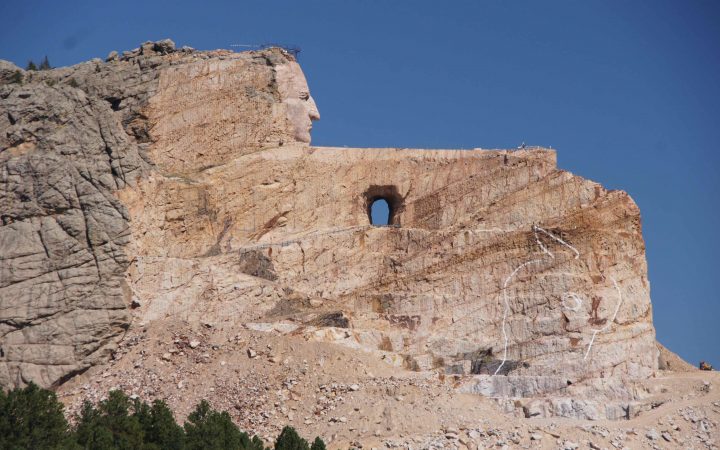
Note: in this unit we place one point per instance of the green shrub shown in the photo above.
(16, 77)
(31, 66)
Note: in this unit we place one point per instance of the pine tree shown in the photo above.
(256, 444)
(32, 418)
(159, 427)
(110, 425)
(318, 444)
(31, 65)
(45, 64)
(207, 429)
(290, 440)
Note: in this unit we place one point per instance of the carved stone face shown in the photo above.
(294, 92)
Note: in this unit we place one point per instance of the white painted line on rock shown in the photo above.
(507, 307)
(535, 229)
(540, 244)
(573, 296)
(300, 238)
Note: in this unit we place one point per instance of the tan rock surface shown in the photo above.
(69, 138)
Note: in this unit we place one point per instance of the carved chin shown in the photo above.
(303, 134)
(299, 121)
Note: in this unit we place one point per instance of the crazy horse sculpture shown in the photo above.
(184, 183)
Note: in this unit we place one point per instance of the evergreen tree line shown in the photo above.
(44, 65)
(32, 418)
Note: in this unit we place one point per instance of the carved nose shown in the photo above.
(313, 112)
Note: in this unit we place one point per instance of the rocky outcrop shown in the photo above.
(69, 138)
(184, 182)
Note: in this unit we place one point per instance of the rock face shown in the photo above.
(184, 182)
(69, 138)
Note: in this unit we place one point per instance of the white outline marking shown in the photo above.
(507, 307)
(610, 322)
(540, 244)
(535, 229)
(299, 239)
(574, 296)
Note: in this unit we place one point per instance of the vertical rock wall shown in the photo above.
(69, 138)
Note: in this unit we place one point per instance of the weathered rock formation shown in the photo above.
(69, 139)
(184, 182)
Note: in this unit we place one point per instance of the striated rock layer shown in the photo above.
(183, 183)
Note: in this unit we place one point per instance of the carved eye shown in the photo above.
(304, 96)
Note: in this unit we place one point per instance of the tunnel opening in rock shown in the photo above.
(380, 212)
(383, 204)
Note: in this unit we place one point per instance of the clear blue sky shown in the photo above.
(628, 92)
